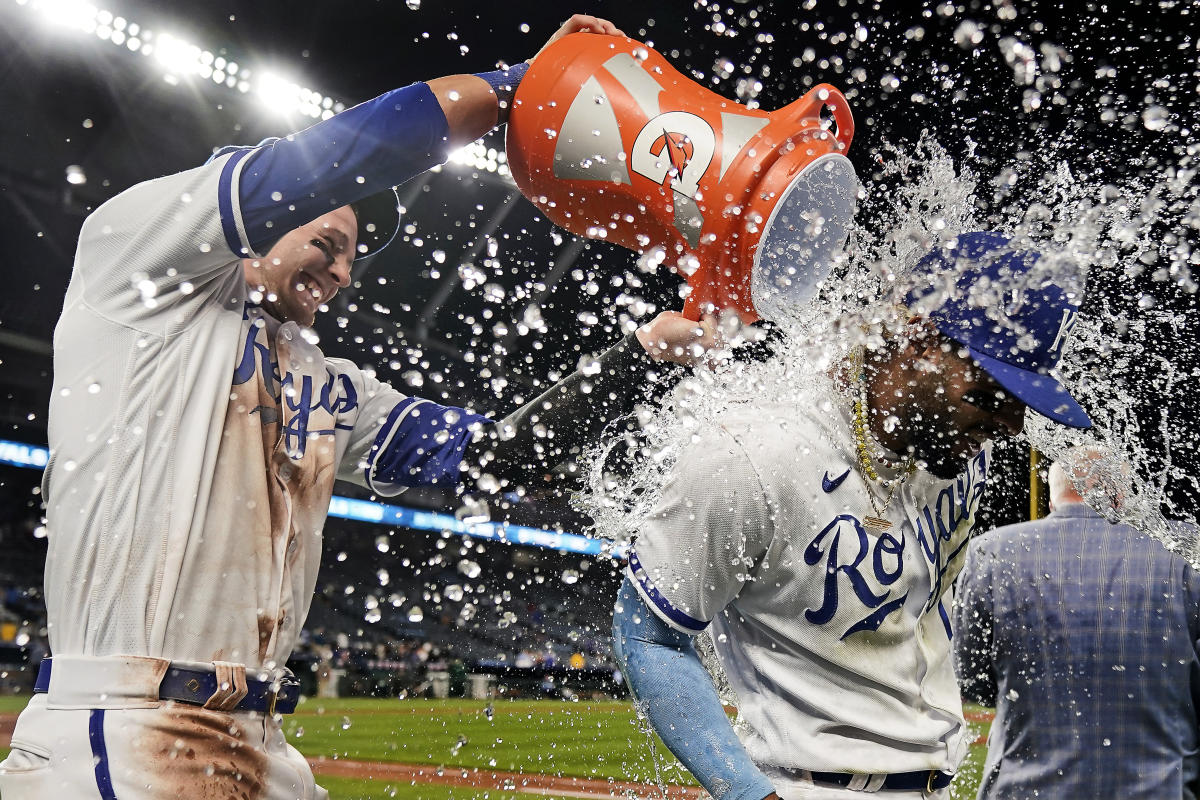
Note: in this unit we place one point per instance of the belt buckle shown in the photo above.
(276, 687)
(929, 782)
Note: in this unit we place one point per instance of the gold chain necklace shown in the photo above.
(866, 461)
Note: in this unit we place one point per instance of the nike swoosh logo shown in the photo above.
(829, 485)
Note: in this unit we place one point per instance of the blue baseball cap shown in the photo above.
(1013, 324)
(378, 215)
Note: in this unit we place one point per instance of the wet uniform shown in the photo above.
(833, 636)
(195, 442)
(194, 445)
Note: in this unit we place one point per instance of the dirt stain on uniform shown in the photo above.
(200, 754)
(267, 624)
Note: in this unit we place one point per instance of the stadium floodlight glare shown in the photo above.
(67, 14)
(479, 156)
(177, 56)
(286, 97)
(181, 59)
(278, 94)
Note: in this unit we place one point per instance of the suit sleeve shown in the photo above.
(1190, 579)
(974, 626)
(699, 546)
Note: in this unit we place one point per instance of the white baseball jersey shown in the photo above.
(194, 446)
(834, 636)
(194, 441)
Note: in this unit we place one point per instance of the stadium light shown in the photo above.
(177, 56)
(277, 93)
(180, 59)
(481, 157)
(65, 14)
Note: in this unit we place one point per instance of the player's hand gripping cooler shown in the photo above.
(611, 142)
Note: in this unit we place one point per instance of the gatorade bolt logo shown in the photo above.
(674, 149)
(679, 149)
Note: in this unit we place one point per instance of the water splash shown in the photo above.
(1121, 249)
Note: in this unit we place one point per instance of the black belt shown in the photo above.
(195, 686)
(926, 780)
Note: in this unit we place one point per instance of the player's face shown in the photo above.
(306, 267)
(955, 408)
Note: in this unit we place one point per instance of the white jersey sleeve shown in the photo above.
(155, 256)
(706, 537)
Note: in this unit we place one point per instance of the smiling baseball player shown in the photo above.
(818, 540)
(196, 431)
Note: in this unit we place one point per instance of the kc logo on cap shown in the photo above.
(981, 293)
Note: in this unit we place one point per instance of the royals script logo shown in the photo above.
(299, 397)
(864, 572)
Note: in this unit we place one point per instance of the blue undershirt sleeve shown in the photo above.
(363, 150)
(673, 689)
(421, 443)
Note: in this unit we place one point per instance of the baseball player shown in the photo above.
(817, 541)
(196, 431)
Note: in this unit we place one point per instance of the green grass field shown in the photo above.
(591, 740)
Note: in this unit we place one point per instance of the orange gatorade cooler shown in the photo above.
(612, 143)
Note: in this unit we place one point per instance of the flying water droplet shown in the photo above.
(589, 365)
(1155, 118)
(472, 512)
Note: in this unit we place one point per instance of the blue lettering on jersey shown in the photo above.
(299, 394)
(336, 396)
(886, 548)
(955, 504)
(256, 359)
(846, 558)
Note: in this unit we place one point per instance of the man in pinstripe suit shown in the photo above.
(1083, 634)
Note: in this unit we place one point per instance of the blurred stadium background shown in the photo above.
(483, 300)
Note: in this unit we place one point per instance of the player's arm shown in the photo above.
(474, 104)
(364, 150)
(689, 562)
(675, 692)
(422, 443)
(974, 629)
(528, 444)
